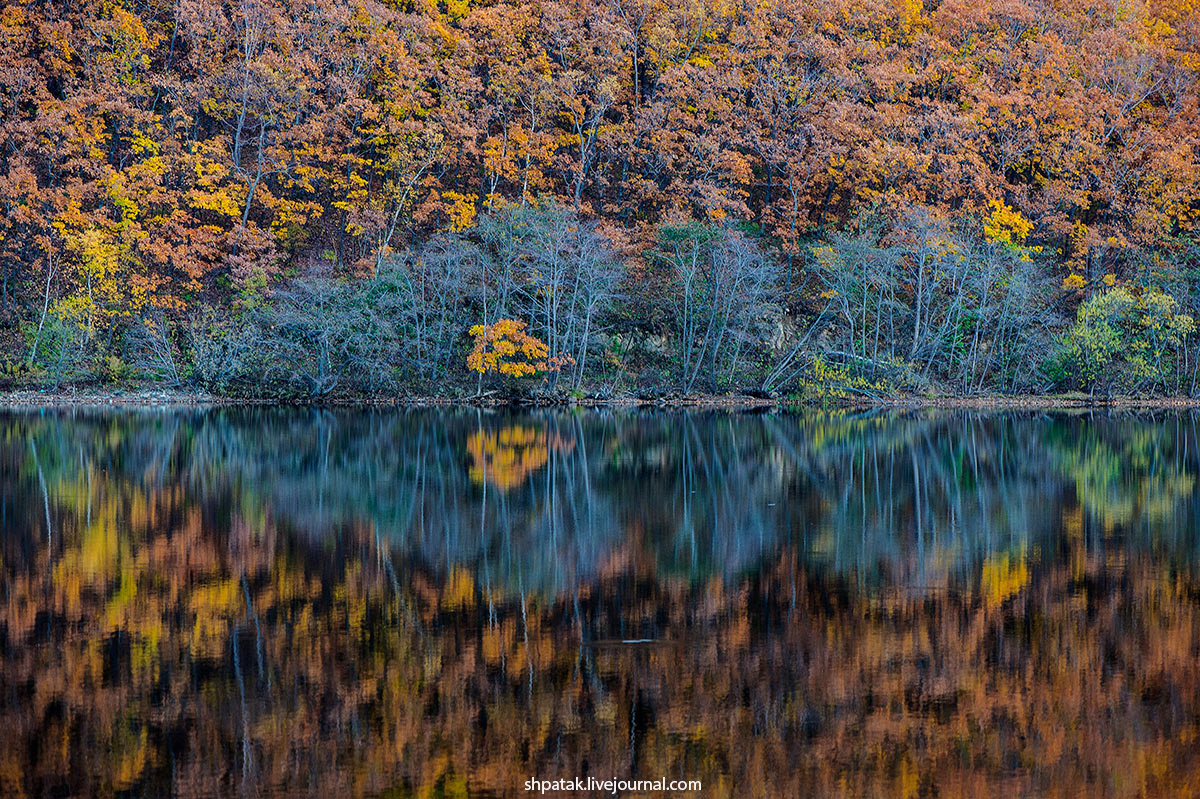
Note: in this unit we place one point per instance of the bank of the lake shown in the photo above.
(149, 397)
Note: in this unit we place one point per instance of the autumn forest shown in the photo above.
(574, 198)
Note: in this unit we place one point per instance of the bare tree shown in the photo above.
(422, 301)
(307, 334)
(554, 270)
(720, 284)
(916, 299)
(220, 349)
(569, 274)
(151, 350)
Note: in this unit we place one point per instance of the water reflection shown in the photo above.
(254, 602)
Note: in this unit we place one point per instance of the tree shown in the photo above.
(504, 348)
(718, 282)
(1120, 338)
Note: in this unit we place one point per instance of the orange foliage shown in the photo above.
(505, 348)
(201, 152)
(505, 458)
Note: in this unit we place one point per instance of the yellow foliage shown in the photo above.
(910, 14)
(460, 208)
(504, 347)
(506, 457)
(824, 381)
(128, 45)
(1005, 225)
(1073, 282)
(1003, 576)
(459, 591)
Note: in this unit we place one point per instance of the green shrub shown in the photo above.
(1123, 340)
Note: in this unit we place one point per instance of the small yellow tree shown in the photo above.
(1005, 225)
(505, 348)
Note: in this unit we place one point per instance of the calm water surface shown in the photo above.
(446, 603)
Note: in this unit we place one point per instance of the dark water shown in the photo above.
(441, 603)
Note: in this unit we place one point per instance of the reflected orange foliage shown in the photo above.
(162, 640)
(506, 457)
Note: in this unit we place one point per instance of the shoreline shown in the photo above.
(146, 398)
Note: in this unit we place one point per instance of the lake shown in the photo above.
(447, 603)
